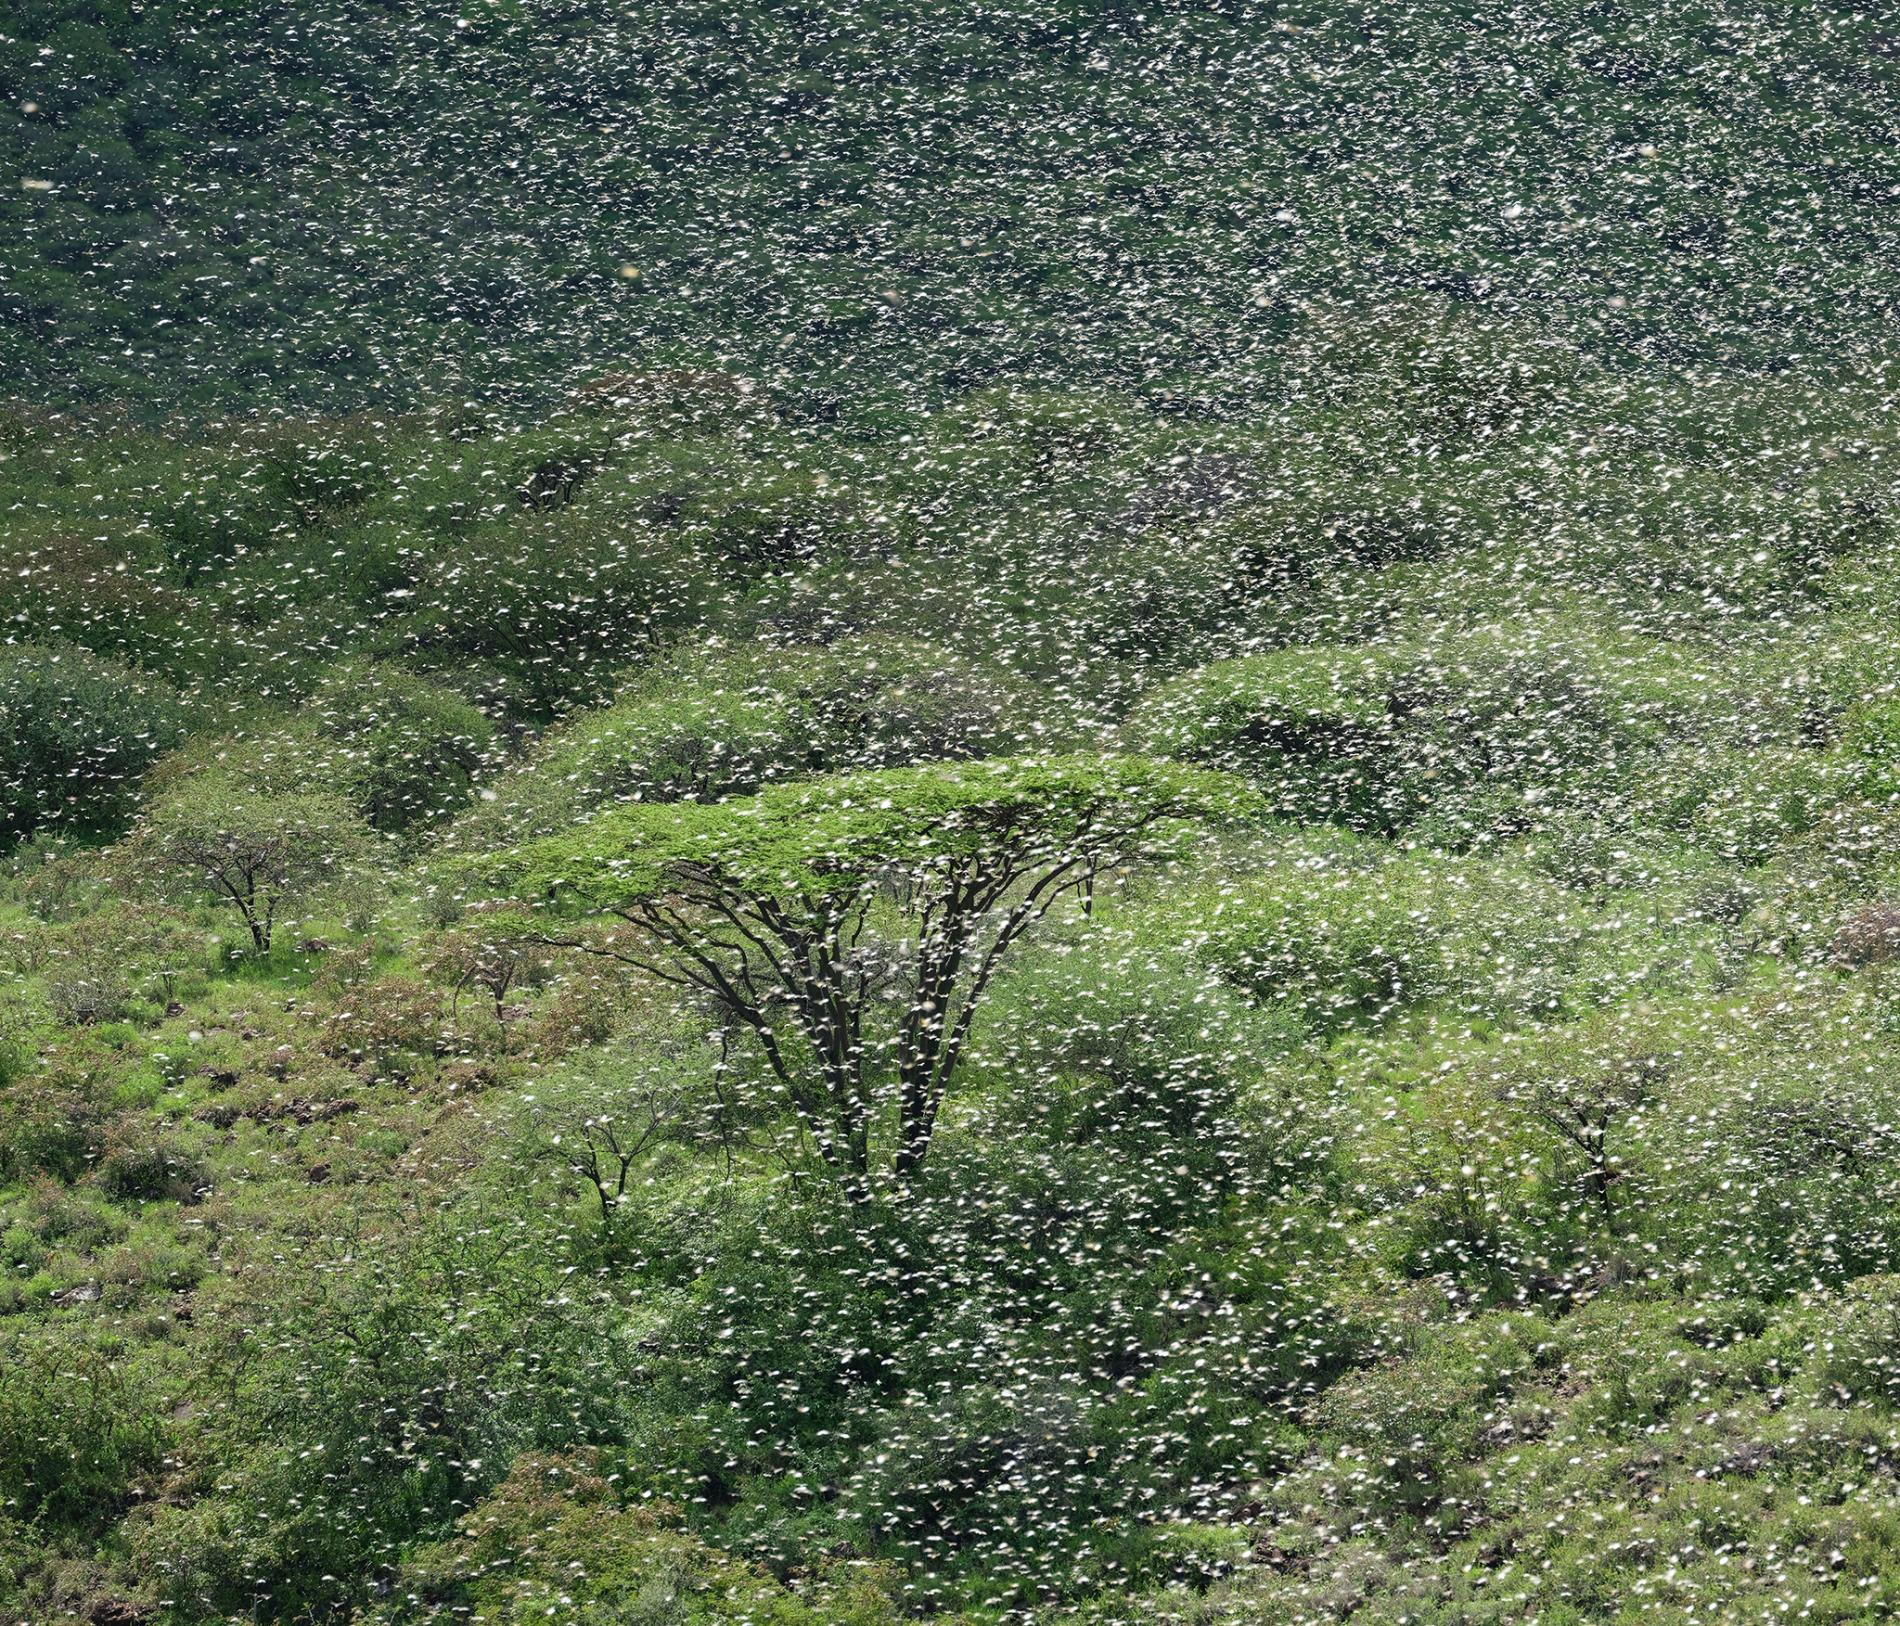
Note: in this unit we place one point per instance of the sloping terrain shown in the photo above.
(915, 813)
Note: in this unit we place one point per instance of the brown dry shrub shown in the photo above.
(389, 1025)
(1869, 936)
(585, 1008)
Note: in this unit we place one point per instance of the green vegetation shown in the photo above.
(978, 814)
(340, 202)
(79, 731)
(767, 903)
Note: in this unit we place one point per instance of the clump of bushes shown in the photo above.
(137, 1164)
(76, 1429)
(514, 1557)
(404, 750)
(1478, 726)
(1343, 934)
(1317, 726)
(76, 731)
(51, 1122)
(702, 726)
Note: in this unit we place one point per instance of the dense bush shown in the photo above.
(546, 607)
(405, 752)
(638, 1561)
(357, 1416)
(1473, 726)
(1318, 726)
(51, 1122)
(707, 724)
(1338, 933)
(76, 1432)
(76, 731)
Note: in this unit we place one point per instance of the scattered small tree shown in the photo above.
(604, 1148)
(773, 907)
(1582, 1106)
(493, 950)
(255, 853)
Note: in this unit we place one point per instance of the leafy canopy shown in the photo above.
(834, 835)
(763, 905)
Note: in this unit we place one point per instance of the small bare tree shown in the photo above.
(496, 951)
(255, 853)
(602, 1132)
(1581, 1107)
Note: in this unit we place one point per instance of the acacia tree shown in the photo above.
(254, 852)
(495, 950)
(852, 925)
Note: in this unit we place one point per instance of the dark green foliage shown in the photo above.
(329, 207)
(76, 731)
(1318, 726)
(75, 1432)
(404, 751)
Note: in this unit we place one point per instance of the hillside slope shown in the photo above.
(875, 206)
(1134, 856)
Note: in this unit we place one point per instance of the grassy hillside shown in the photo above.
(1133, 856)
(879, 206)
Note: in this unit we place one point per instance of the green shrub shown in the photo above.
(320, 466)
(1339, 934)
(1317, 727)
(1499, 716)
(51, 1122)
(80, 994)
(1405, 1422)
(1858, 1354)
(1529, 698)
(91, 966)
(552, 1520)
(1787, 1180)
(699, 727)
(356, 1419)
(76, 1430)
(1103, 1036)
(546, 607)
(390, 1023)
(74, 589)
(1747, 806)
(1870, 739)
(70, 1216)
(405, 751)
(140, 1164)
(76, 731)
